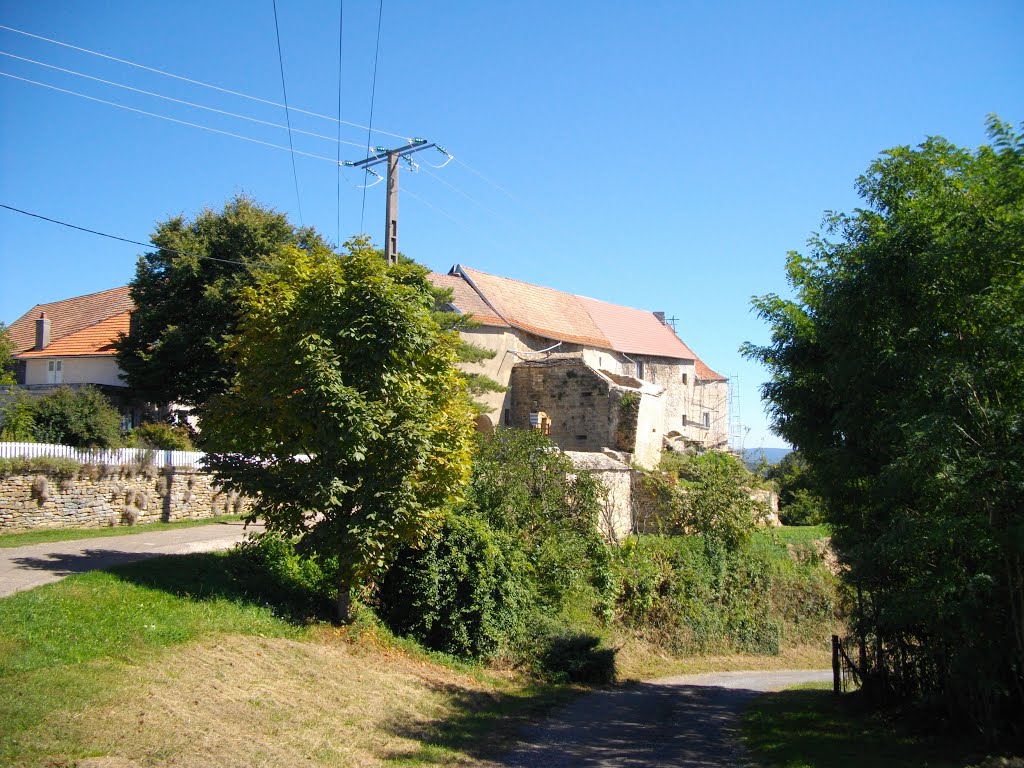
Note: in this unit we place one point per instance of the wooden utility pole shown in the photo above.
(391, 157)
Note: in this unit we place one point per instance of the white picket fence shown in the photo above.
(159, 458)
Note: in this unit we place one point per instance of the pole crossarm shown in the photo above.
(381, 155)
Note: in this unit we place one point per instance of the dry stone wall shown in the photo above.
(105, 496)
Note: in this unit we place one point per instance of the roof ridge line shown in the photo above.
(460, 271)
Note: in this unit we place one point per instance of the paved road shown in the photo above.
(680, 722)
(26, 567)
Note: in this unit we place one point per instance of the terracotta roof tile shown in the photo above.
(466, 300)
(706, 374)
(561, 316)
(70, 316)
(94, 340)
(636, 331)
(538, 310)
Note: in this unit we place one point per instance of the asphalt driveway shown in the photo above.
(33, 565)
(686, 721)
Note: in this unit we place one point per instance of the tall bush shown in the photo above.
(81, 418)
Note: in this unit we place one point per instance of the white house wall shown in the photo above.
(76, 370)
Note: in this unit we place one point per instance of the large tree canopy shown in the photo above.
(186, 297)
(898, 372)
(345, 418)
(7, 351)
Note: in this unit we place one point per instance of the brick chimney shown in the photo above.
(661, 317)
(42, 332)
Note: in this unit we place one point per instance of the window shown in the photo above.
(54, 371)
(508, 418)
(685, 377)
(707, 420)
(684, 421)
(640, 369)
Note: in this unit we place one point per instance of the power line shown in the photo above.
(170, 119)
(465, 195)
(373, 94)
(339, 140)
(197, 82)
(287, 118)
(122, 239)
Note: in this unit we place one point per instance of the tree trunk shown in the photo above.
(344, 604)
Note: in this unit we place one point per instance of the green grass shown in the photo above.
(65, 646)
(811, 727)
(799, 534)
(8, 540)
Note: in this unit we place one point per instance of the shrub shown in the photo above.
(576, 658)
(83, 419)
(299, 585)
(17, 419)
(161, 436)
(465, 593)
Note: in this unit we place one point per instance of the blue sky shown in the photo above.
(663, 155)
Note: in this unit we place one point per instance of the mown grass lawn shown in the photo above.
(811, 727)
(193, 661)
(24, 538)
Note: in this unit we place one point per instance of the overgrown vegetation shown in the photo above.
(82, 418)
(162, 436)
(898, 372)
(799, 504)
(518, 573)
(6, 357)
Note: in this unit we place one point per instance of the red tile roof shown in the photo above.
(70, 316)
(636, 331)
(95, 340)
(538, 310)
(706, 374)
(567, 317)
(466, 300)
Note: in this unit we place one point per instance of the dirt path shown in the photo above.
(31, 566)
(680, 721)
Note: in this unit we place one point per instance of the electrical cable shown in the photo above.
(465, 195)
(122, 239)
(287, 117)
(169, 119)
(183, 101)
(197, 82)
(373, 94)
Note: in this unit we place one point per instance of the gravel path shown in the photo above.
(30, 566)
(680, 721)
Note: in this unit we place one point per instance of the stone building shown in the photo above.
(592, 374)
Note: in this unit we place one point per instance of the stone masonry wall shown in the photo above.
(105, 496)
(577, 400)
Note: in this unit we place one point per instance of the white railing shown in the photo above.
(155, 456)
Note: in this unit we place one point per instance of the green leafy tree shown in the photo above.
(345, 419)
(7, 351)
(81, 418)
(18, 418)
(186, 297)
(798, 503)
(898, 372)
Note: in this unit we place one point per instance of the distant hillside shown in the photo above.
(752, 456)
